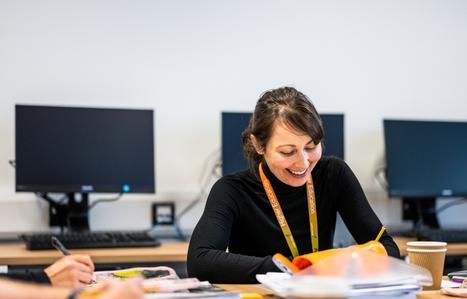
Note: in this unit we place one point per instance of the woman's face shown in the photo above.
(291, 155)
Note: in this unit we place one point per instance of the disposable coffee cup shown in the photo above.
(429, 255)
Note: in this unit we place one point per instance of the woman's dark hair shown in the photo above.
(286, 105)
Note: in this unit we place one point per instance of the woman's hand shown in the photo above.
(71, 271)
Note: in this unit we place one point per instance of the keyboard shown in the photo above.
(91, 239)
(449, 235)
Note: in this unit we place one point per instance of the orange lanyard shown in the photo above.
(310, 191)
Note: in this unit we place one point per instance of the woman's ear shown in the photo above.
(259, 149)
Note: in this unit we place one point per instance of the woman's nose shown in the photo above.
(302, 160)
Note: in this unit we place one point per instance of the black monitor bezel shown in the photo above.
(243, 114)
(393, 191)
(54, 188)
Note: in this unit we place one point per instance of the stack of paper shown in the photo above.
(163, 283)
(204, 290)
(282, 285)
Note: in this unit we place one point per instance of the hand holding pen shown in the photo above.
(70, 271)
(131, 289)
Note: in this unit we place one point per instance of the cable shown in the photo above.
(54, 204)
(204, 180)
(98, 201)
(456, 202)
(202, 193)
(45, 196)
(380, 176)
(203, 184)
(194, 202)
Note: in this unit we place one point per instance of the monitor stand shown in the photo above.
(73, 215)
(422, 212)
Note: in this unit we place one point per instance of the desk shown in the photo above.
(453, 248)
(248, 288)
(257, 288)
(17, 254)
(433, 295)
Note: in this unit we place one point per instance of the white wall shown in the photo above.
(191, 59)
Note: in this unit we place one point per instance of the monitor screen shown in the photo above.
(71, 149)
(234, 123)
(426, 158)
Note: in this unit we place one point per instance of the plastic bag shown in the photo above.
(364, 267)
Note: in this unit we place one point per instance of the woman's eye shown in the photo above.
(288, 154)
(310, 149)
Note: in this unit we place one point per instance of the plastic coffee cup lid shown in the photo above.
(431, 244)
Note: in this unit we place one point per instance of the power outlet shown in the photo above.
(163, 213)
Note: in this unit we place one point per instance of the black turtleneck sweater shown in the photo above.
(238, 218)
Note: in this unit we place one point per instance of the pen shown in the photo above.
(380, 233)
(59, 246)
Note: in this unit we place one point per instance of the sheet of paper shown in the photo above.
(278, 282)
(449, 284)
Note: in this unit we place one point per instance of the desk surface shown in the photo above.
(259, 289)
(453, 248)
(17, 254)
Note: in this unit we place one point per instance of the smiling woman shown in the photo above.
(291, 155)
(286, 203)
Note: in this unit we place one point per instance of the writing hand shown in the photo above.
(71, 271)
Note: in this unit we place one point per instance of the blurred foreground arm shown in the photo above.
(18, 290)
(108, 290)
(130, 289)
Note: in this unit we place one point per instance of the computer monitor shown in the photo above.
(425, 160)
(234, 123)
(77, 150)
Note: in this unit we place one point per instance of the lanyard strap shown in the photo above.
(310, 191)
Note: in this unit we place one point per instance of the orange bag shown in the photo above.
(303, 261)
